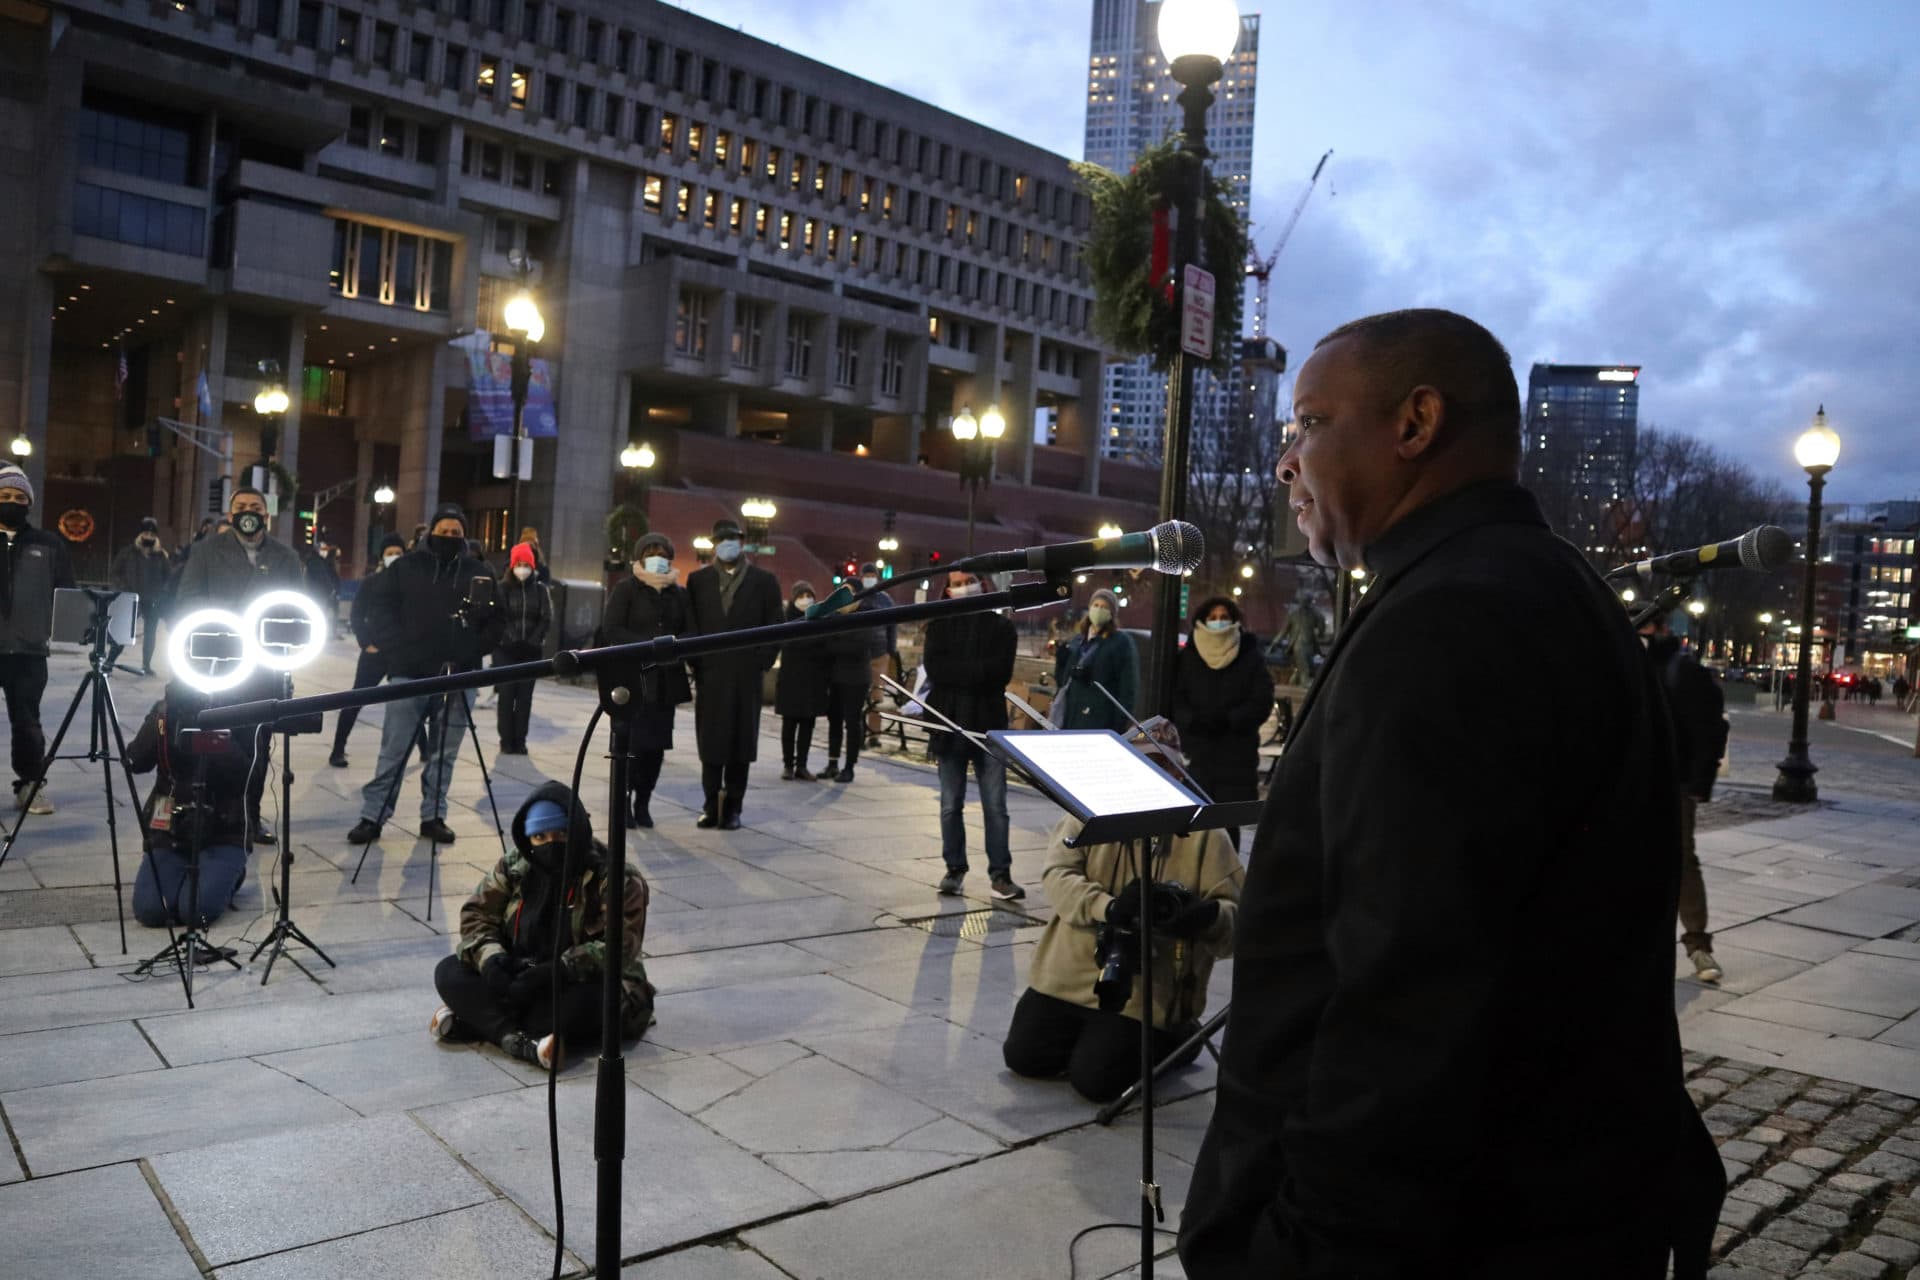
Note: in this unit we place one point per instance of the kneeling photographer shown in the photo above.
(175, 817)
(498, 985)
(426, 614)
(1080, 1014)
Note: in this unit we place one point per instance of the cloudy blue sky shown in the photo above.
(1725, 193)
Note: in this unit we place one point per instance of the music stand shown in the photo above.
(1121, 797)
(102, 620)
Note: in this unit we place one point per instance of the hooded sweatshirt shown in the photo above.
(411, 614)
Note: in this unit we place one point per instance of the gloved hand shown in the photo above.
(1124, 911)
(532, 981)
(1194, 917)
(499, 971)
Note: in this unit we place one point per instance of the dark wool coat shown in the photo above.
(800, 686)
(636, 612)
(1219, 714)
(726, 711)
(1380, 1109)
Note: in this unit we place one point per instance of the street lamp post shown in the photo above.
(527, 327)
(977, 439)
(638, 459)
(756, 516)
(1817, 449)
(1196, 38)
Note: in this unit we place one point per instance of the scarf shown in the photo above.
(730, 580)
(658, 581)
(1216, 648)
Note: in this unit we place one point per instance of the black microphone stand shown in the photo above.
(609, 664)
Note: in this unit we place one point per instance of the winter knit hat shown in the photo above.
(149, 525)
(12, 477)
(544, 816)
(448, 511)
(392, 541)
(522, 554)
(648, 540)
(801, 587)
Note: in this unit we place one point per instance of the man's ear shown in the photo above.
(1423, 413)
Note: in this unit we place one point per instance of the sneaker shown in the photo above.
(1705, 967)
(437, 830)
(338, 759)
(845, 775)
(39, 804)
(950, 883)
(364, 832)
(541, 1053)
(444, 1026)
(1006, 890)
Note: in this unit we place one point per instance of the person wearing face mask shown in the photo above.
(323, 577)
(882, 646)
(1098, 653)
(969, 661)
(144, 569)
(1222, 693)
(800, 692)
(417, 616)
(848, 677)
(529, 609)
(547, 893)
(371, 668)
(728, 595)
(33, 563)
(229, 569)
(647, 603)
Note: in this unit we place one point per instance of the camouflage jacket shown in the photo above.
(488, 919)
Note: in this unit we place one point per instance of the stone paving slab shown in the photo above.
(397, 1072)
(36, 1058)
(1036, 1198)
(101, 1224)
(10, 1170)
(695, 970)
(705, 1262)
(42, 950)
(1871, 984)
(208, 1035)
(1793, 941)
(716, 1018)
(72, 1126)
(1810, 1017)
(494, 1240)
(268, 1194)
(756, 922)
(682, 1181)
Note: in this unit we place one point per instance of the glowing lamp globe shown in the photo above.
(964, 425)
(993, 424)
(522, 316)
(1818, 447)
(1198, 29)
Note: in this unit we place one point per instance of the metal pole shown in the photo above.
(1196, 74)
(973, 489)
(522, 371)
(610, 1077)
(1795, 782)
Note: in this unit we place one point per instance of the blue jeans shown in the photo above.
(164, 880)
(991, 774)
(404, 721)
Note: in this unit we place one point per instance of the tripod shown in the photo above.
(186, 951)
(103, 720)
(427, 713)
(284, 929)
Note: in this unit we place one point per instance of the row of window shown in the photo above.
(518, 168)
(393, 268)
(691, 326)
(645, 61)
(121, 216)
(395, 136)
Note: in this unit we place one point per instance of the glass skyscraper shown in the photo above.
(1582, 426)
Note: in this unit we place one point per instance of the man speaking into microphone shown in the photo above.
(1416, 1079)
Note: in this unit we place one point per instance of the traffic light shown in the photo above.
(305, 537)
(851, 569)
(933, 559)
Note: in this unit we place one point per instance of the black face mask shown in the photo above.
(445, 546)
(249, 523)
(14, 514)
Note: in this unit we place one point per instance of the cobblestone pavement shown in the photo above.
(1821, 1174)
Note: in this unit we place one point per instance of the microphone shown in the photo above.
(1765, 548)
(1173, 546)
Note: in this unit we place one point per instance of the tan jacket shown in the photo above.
(1081, 882)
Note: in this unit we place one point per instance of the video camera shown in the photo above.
(481, 601)
(1116, 948)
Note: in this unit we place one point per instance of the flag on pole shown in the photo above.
(120, 375)
(204, 397)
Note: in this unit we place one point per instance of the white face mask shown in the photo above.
(1099, 615)
(388, 559)
(522, 572)
(803, 603)
(1218, 624)
(869, 582)
(656, 564)
(970, 589)
(728, 550)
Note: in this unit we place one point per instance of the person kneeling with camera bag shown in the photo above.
(180, 813)
(1080, 1014)
(498, 984)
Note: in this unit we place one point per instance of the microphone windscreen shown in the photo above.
(1767, 547)
(1178, 547)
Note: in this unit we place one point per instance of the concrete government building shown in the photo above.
(783, 279)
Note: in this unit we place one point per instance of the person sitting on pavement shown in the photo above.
(547, 895)
(1061, 1024)
(1698, 712)
(969, 662)
(1100, 653)
(173, 819)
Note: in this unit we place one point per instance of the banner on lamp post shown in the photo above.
(490, 397)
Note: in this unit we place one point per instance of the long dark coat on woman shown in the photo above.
(800, 691)
(726, 715)
(635, 612)
(1219, 714)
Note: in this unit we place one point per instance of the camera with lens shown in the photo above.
(1116, 945)
(480, 603)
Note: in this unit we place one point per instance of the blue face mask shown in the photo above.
(656, 564)
(1219, 624)
(729, 550)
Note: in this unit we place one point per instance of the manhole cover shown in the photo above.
(24, 908)
(973, 924)
(1732, 808)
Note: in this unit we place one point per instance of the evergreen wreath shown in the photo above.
(1132, 312)
(625, 525)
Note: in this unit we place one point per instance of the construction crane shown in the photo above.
(1262, 271)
